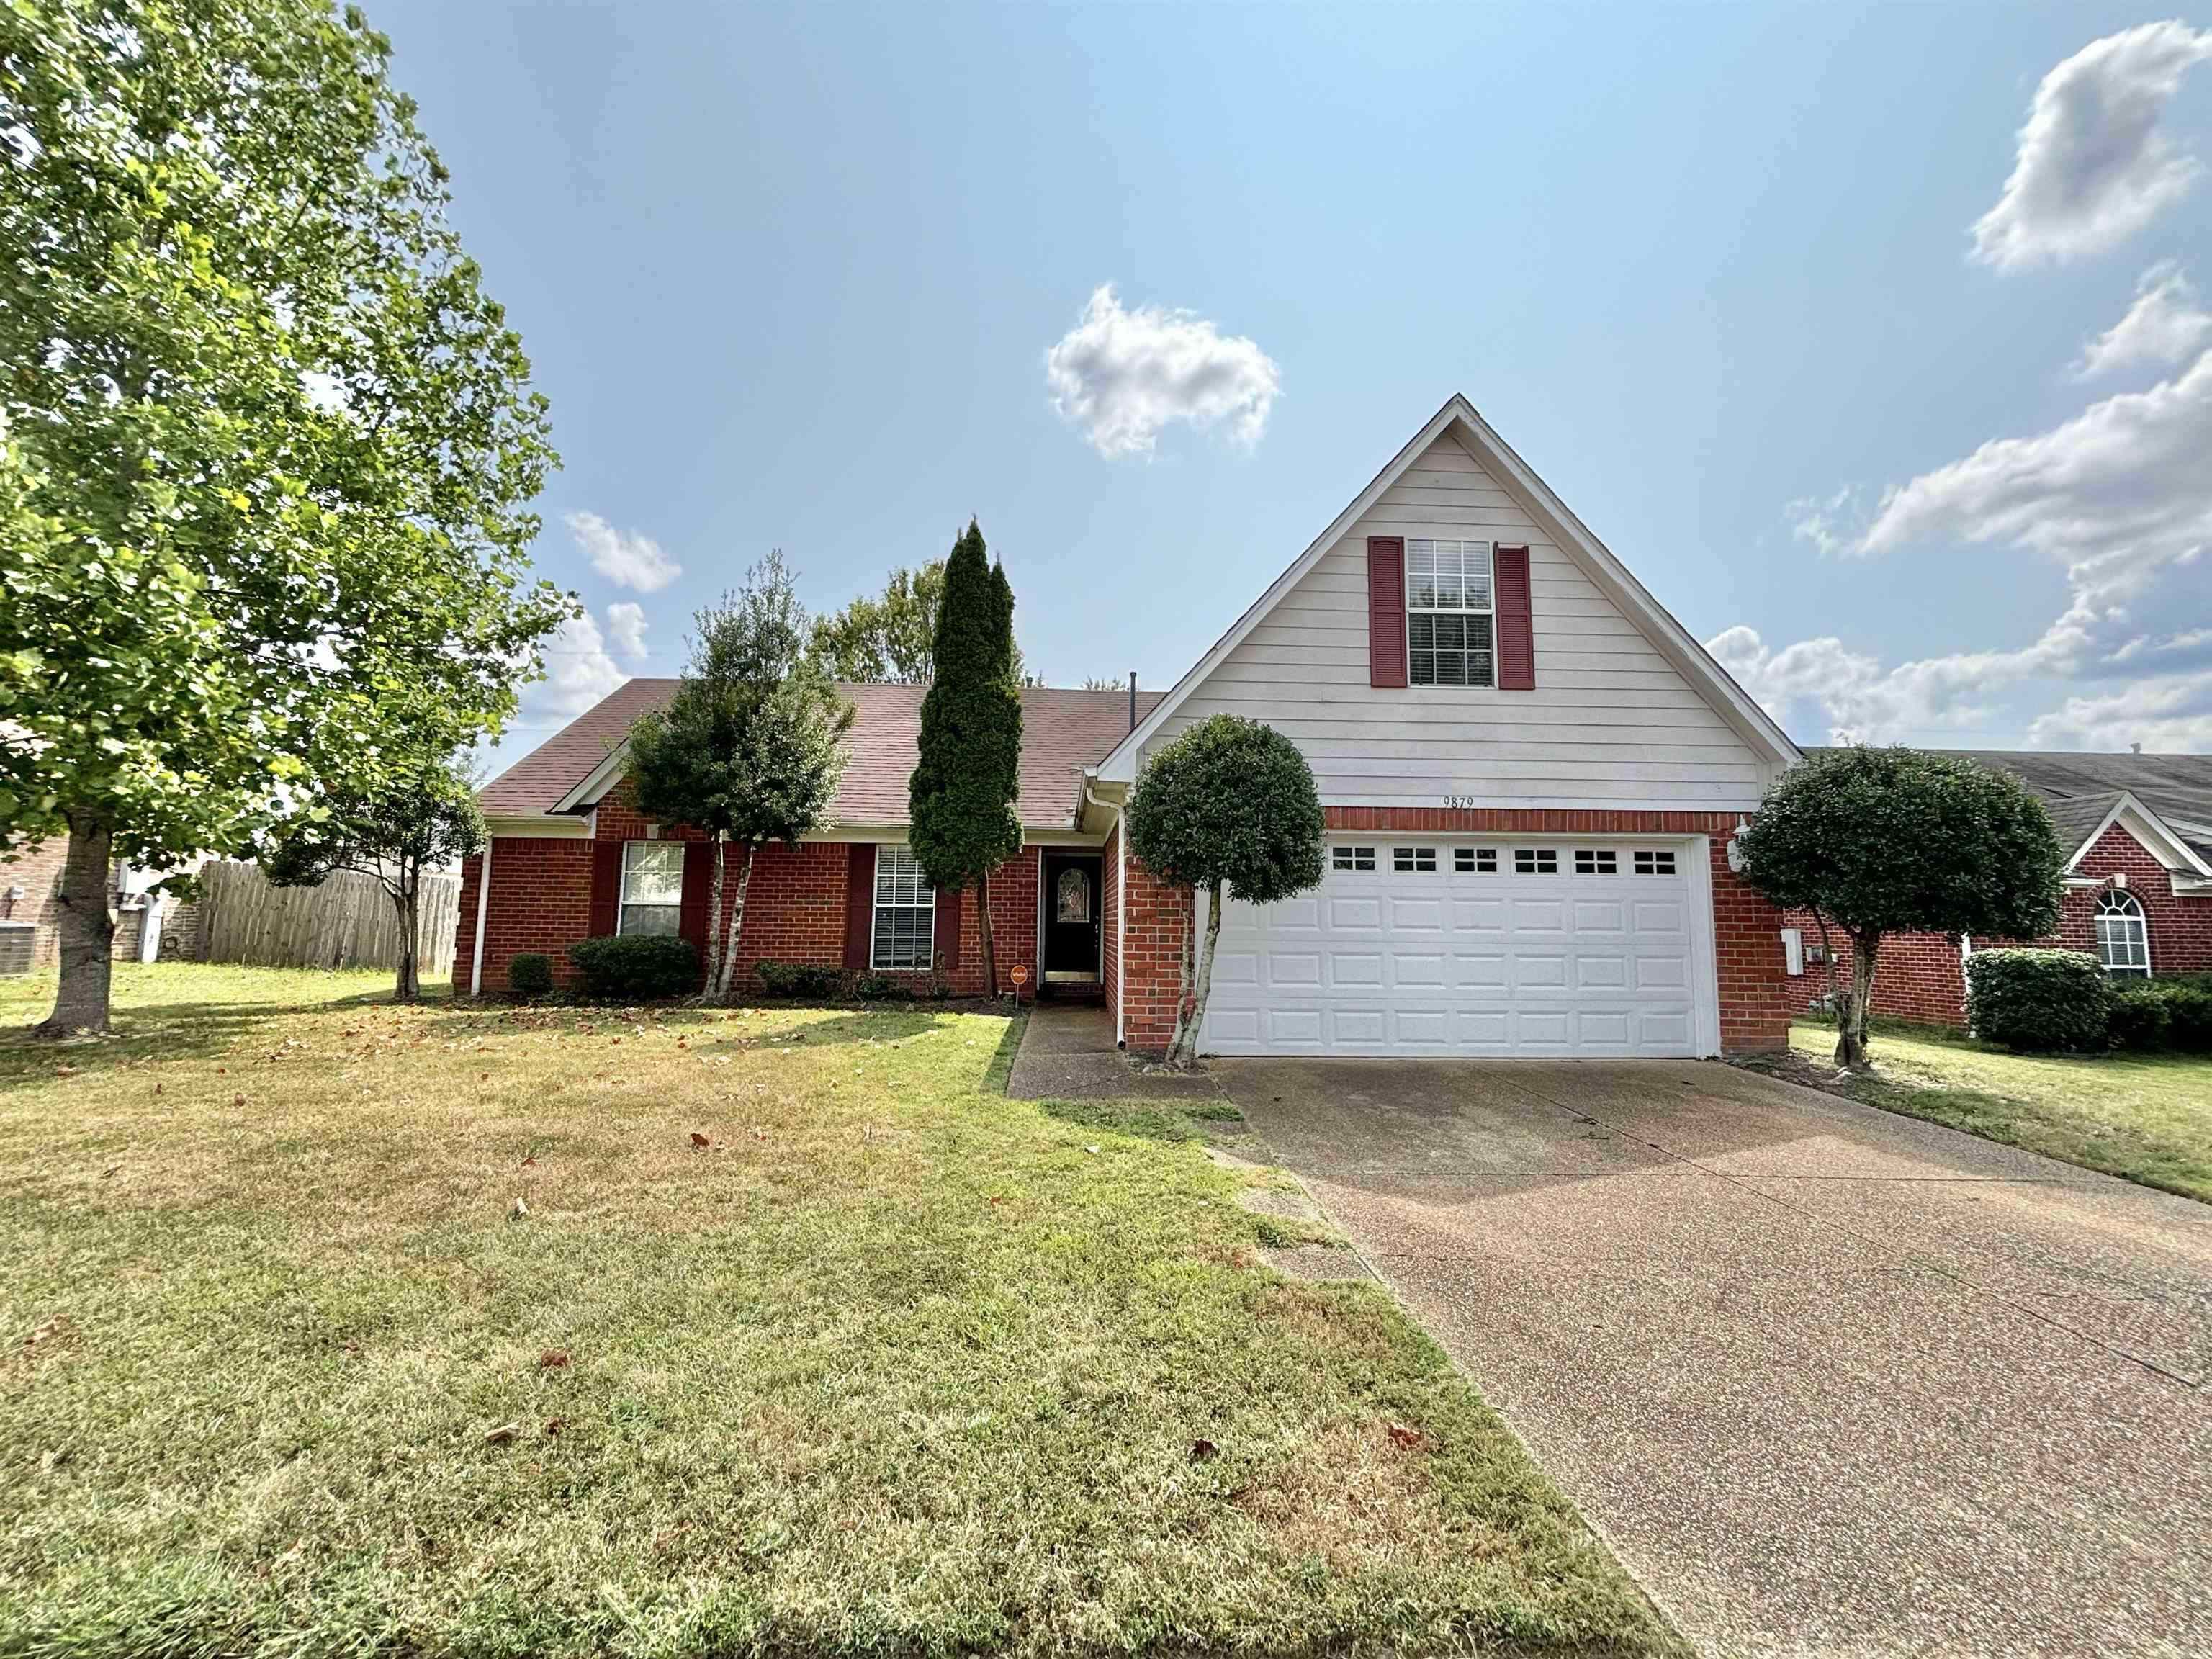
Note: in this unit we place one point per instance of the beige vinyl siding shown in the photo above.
(1611, 722)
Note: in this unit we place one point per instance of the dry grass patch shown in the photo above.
(889, 1364)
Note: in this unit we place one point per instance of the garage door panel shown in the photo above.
(1457, 962)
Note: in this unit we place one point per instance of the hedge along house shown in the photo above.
(1530, 774)
(2138, 832)
(570, 857)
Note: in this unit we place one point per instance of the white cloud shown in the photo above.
(2093, 167)
(1122, 375)
(2120, 497)
(2166, 715)
(578, 671)
(626, 558)
(2163, 327)
(626, 627)
(1826, 522)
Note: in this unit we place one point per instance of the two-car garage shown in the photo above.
(1477, 947)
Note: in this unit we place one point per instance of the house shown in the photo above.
(2138, 832)
(1530, 773)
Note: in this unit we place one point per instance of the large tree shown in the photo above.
(1231, 806)
(960, 798)
(269, 446)
(886, 638)
(750, 746)
(1895, 841)
(407, 825)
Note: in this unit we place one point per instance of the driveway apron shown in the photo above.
(1832, 1380)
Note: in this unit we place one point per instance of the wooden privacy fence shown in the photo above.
(347, 922)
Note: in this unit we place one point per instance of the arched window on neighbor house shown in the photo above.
(2123, 937)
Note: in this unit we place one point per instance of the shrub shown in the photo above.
(879, 988)
(2038, 1000)
(2162, 1013)
(636, 966)
(530, 974)
(800, 979)
(2139, 1017)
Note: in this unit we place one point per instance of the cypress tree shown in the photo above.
(960, 798)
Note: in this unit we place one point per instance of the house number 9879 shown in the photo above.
(1458, 800)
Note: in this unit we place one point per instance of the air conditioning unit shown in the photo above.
(16, 941)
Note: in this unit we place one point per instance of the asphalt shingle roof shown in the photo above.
(1062, 732)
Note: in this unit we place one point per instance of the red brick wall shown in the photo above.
(541, 892)
(1755, 994)
(38, 872)
(1919, 977)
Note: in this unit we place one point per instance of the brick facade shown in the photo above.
(1921, 977)
(541, 895)
(1109, 909)
(1756, 1000)
(38, 870)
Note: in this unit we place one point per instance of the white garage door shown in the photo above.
(1488, 947)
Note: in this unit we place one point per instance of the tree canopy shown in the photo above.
(749, 746)
(269, 446)
(967, 777)
(1887, 841)
(1230, 805)
(886, 638)
(393, 832)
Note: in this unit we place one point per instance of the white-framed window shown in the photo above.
(1409, 860)
(2123, 935)
(652, 887)
(1352, 857)
(1595, 861)
(1450, 614)
(904, 934)
(1535, 861)
(1654, 863)
(1475, 861)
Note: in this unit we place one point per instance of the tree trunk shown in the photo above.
(728, 966)
(1184, 1054)
(1186, 968)
(1851, 1023)
(712, 981)
(1828, 956)
(407, 984)
(87, 930)
(983, 928)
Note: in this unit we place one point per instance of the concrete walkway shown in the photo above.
(1832, 1380)
(1067, 1053)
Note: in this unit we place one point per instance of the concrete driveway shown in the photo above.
(1833, 1381)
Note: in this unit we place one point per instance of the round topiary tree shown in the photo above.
(1229, 804)
(1896, 840)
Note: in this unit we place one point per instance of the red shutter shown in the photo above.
(1516, 627)
(1386, 610)
(948, 927)
(606, 886)
(859, 902)
(691, 919)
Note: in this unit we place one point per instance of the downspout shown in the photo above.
(483, 894)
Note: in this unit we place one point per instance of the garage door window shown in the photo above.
(1352, 857)
(1655, 864)
(1535, 861)
(1411, 861)
(1475, 861)
(1595, 861)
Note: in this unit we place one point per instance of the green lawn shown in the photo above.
(893, 1366)
(2145, 1117)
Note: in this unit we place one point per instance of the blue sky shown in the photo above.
(790, 276)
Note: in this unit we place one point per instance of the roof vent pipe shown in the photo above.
(2135, 748)
(1132, 701)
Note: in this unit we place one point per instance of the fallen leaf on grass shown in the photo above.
(554, 1425)
(502, 1434)
(554, 1359)
(700, 1140)
(1202, 1449)
(1409, 1438)
(238, 1099)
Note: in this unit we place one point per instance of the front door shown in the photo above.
(1071, 933)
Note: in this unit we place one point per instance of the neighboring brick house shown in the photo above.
(1529, 772)
(2138, 831)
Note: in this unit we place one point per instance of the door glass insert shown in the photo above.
(1073, 903)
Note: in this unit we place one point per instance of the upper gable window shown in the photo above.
(1450, 614)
